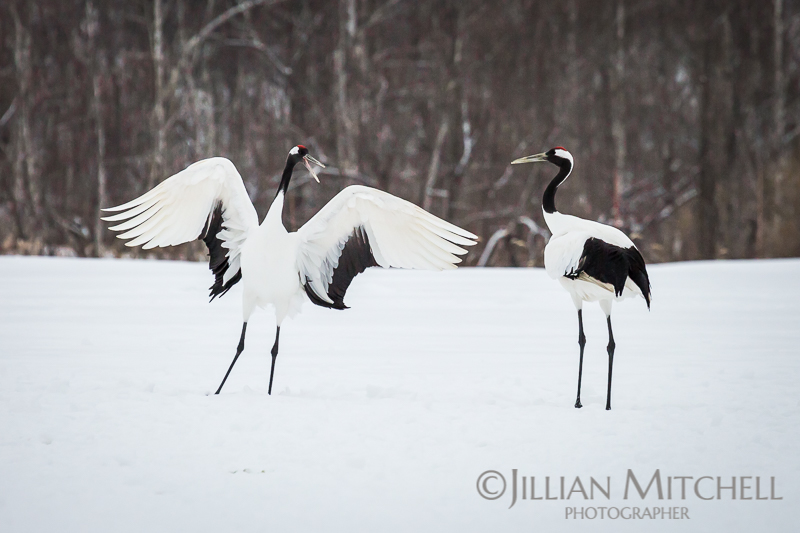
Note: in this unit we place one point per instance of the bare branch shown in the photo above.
(9, 112)
(221, 19)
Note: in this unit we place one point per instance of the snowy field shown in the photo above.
(383, 416)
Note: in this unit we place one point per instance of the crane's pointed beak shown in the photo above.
(538, 158)
(307, 159)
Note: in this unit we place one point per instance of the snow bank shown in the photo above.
(384, 416)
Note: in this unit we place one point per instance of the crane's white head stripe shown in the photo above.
(295, 150)
(560, 152)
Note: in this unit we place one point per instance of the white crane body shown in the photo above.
(269, 268)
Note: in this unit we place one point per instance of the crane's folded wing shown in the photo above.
(579, 255)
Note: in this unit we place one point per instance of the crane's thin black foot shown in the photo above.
(274, 357)
(581, 343)
(239, 350)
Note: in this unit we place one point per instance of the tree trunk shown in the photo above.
(159, 113)
(433, 169)
(100, 132)
(346, 123)
(716, 104)
(26, 192)
(618, 116)
(779, 120)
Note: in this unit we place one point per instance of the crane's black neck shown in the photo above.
(291, 161)
(549, 199)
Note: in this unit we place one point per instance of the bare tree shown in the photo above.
(683, 117)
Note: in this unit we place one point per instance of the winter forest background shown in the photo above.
(682, 115)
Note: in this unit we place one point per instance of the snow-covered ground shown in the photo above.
(384, 416)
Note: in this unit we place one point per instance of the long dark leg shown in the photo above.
(274, 356)
(235, 357)
(611, 346)
(581, 343)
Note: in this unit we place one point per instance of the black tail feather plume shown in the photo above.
(638, 273)
(613, 265)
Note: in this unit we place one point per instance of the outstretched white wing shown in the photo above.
(362, 227)
(208, 201)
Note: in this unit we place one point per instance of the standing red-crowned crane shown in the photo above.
(359, 228)
(592, 261)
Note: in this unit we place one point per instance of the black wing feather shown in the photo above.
(217, 259)
(613, 265)
(355, 258)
